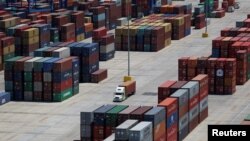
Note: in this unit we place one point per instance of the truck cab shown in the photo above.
(124, 90)
(119, 94)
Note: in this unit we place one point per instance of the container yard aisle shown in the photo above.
(24, 121)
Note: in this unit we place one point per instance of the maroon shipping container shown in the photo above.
(99, 75)
(91, 59)
(107, 39)
(177, 86)
(47, 91)
(139, 113)
(62, 65)
(7, 41)
(125, 114)
(98, 133)
(164, 90)
(68, 27)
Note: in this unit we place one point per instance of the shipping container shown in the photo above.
(125, 114)
(122, 131)
(139, 113)
(171, 106)
(157, 115)
(4, 97)
(164, 90)
(141, 132)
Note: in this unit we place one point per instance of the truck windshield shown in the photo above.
(118, 93)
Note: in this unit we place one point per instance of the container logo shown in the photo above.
(220, 73)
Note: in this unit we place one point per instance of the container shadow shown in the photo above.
(150, 93)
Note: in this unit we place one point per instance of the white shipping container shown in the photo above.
(107, 48)
(110, 138)
(61, 52)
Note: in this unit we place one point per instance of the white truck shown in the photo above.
(124, 90)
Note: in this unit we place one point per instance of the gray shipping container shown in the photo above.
(47, 77)
(193, 87)
(122, 131)
(87, 117)
(183, 122)
(28, 65)
(86, 131)
(38, 86)
(183, 127)
(155, 115)
(141, 132)
(193, 112)
(61, 52)
(28, 96)
(110, 138)
(203, 104)
(182, 96)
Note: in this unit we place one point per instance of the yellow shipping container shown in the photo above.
(80, 37)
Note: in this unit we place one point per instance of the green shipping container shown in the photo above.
(28, 76)
(111, 116)
(28, 86)
(8, 64)
(58, 97)
(8, 56)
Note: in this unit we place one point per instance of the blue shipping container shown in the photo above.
(48, 65)
(62, 76)
(90, 68)
(107, 56)
(90, 49)
(4, 97)
(172, 119)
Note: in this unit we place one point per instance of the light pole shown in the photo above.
(128, 77)
(205, 35)
(128, 45)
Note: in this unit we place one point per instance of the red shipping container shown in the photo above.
(171, 106)
(99, 132)
(99, 75)
(99, 33)
(171, 134)
(164, 90)
(62, 65)
(59, 87)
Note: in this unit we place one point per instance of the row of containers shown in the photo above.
(52, 78)
(229, 64)
(182, 106)
(246, 121)
(48, 79)
(88, 54)
(38, 30)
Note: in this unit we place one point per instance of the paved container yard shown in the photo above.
(26, 121)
